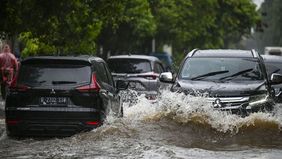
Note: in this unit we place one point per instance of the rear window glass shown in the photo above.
(129, 65)
(54, 74)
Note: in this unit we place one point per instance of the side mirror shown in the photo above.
(121, 85)
(166, 77)
(276, 78)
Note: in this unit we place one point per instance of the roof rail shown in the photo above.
(191, 53)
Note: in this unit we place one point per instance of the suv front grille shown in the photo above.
(229, 102)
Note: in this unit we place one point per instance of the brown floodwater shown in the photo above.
(175, 127)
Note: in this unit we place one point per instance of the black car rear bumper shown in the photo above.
(51, 121)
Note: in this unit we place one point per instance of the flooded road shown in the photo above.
(176, 127)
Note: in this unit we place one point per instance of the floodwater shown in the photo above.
(177, 126)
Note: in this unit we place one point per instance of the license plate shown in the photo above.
(53, 100)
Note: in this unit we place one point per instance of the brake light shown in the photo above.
(22, 88)
(12, 122)
(92, 123)
(19, 87)
(93, 86)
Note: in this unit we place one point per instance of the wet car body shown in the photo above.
(273, 64)
(141, 71)
(60, 96)
(231, 80)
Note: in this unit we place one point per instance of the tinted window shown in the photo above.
(129, 65)
(50, 74)
(221, 69)
(158, 68)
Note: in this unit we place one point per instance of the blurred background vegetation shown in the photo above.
(109, 27)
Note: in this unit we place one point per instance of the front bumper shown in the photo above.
(239, 105)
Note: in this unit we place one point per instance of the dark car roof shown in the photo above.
(85, 58)
(272, 58)
(223, 53)
(145, 57)
(159, 54)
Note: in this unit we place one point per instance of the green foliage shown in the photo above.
(135, 26)
(71, 26)
(188, 24)
(82, 26)
(33, 46)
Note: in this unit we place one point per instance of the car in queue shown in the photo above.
(166, 60)
(61, 96)
(273, 64)
(234, 80)
(140, 71)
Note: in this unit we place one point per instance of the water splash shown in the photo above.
(186, 109)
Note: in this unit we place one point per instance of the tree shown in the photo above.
(204, 24)
(136, 26)
(68, 26)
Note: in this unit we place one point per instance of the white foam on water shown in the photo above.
(185, 108)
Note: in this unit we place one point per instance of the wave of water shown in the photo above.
(185, 109)
(177, 126)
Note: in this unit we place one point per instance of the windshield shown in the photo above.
(273, 67)
(129, 65)
(221, 69)
(164, 58)
(54, 74)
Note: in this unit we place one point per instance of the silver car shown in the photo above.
(141, 71)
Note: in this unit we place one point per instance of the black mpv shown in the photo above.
(232, 80)
(60, 96)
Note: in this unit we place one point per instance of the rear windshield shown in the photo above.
(129, 65)
(54, 74)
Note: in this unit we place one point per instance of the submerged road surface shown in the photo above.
(176, 127)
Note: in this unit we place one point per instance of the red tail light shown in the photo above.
(93, 86)
(21, 88)
(12, 122)
(92, 123)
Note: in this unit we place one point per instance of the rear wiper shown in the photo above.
(209, 74)
(237, 74)
(63, 82)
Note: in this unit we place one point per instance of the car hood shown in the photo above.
(222, 89)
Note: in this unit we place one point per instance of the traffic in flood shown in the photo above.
(178, 126)
(141, 79)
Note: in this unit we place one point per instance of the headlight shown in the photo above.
(258, 99)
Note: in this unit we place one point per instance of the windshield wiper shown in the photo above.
(209, 74)
(237, 74)
(63, 82)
